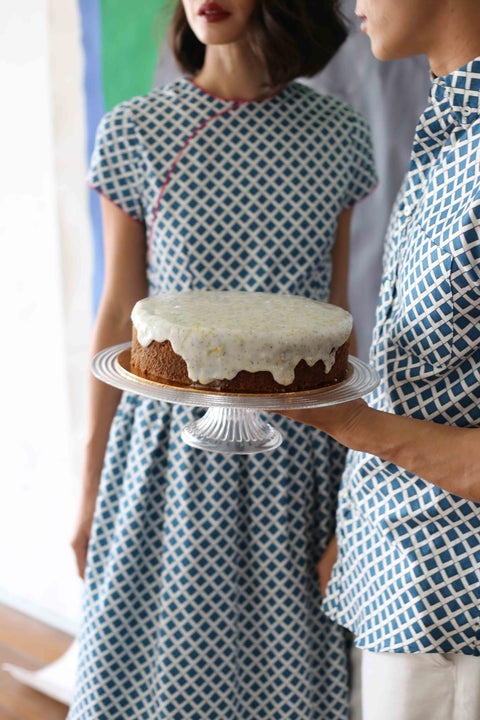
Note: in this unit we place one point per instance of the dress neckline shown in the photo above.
(238, 101)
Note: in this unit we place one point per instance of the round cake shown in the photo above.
(240, 342)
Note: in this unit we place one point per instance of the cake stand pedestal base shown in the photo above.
(232, 423)
(232, 430)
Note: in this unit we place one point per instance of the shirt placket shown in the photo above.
(408, 212)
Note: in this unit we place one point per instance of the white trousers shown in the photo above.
(428, 686)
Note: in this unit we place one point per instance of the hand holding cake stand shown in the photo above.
(232, 423)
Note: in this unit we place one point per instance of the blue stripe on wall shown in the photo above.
(95, 108)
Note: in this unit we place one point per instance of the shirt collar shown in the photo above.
(460, 90)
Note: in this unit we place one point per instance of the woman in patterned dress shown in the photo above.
(202, 599)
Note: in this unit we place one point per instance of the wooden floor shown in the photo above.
(30, 644)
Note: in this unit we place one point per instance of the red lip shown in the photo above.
(212, 12)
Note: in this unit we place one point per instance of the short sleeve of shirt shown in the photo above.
(114, 167)
(362, 171)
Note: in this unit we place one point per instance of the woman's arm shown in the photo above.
(340, 265)
(448, 457)
(125, 283)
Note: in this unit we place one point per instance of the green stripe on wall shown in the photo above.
(132, 35)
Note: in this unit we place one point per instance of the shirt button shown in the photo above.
(408, 211)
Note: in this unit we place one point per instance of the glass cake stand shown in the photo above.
(232, 423)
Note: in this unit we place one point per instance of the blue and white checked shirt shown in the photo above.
(407, 578)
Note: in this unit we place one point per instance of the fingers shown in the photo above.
(324, 573)
(325, 566)
(79, 545)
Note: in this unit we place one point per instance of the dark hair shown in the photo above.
(294, 38)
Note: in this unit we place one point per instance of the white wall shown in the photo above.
(45, 298)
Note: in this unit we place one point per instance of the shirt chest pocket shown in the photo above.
(421, 320)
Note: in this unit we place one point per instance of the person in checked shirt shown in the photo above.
(406, 557)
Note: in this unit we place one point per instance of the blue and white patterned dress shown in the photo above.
(407, 578)
(201, 593)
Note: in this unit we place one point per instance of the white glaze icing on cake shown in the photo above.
(220, 333)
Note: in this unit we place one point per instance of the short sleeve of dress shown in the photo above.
(362, 171)
(114, 167)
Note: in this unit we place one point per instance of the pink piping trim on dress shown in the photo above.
(99, 192)
(240, 102)
(365, 197)
(175, 163)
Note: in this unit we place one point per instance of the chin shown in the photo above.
(384, 51)
(383, 54)
(217, 35)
